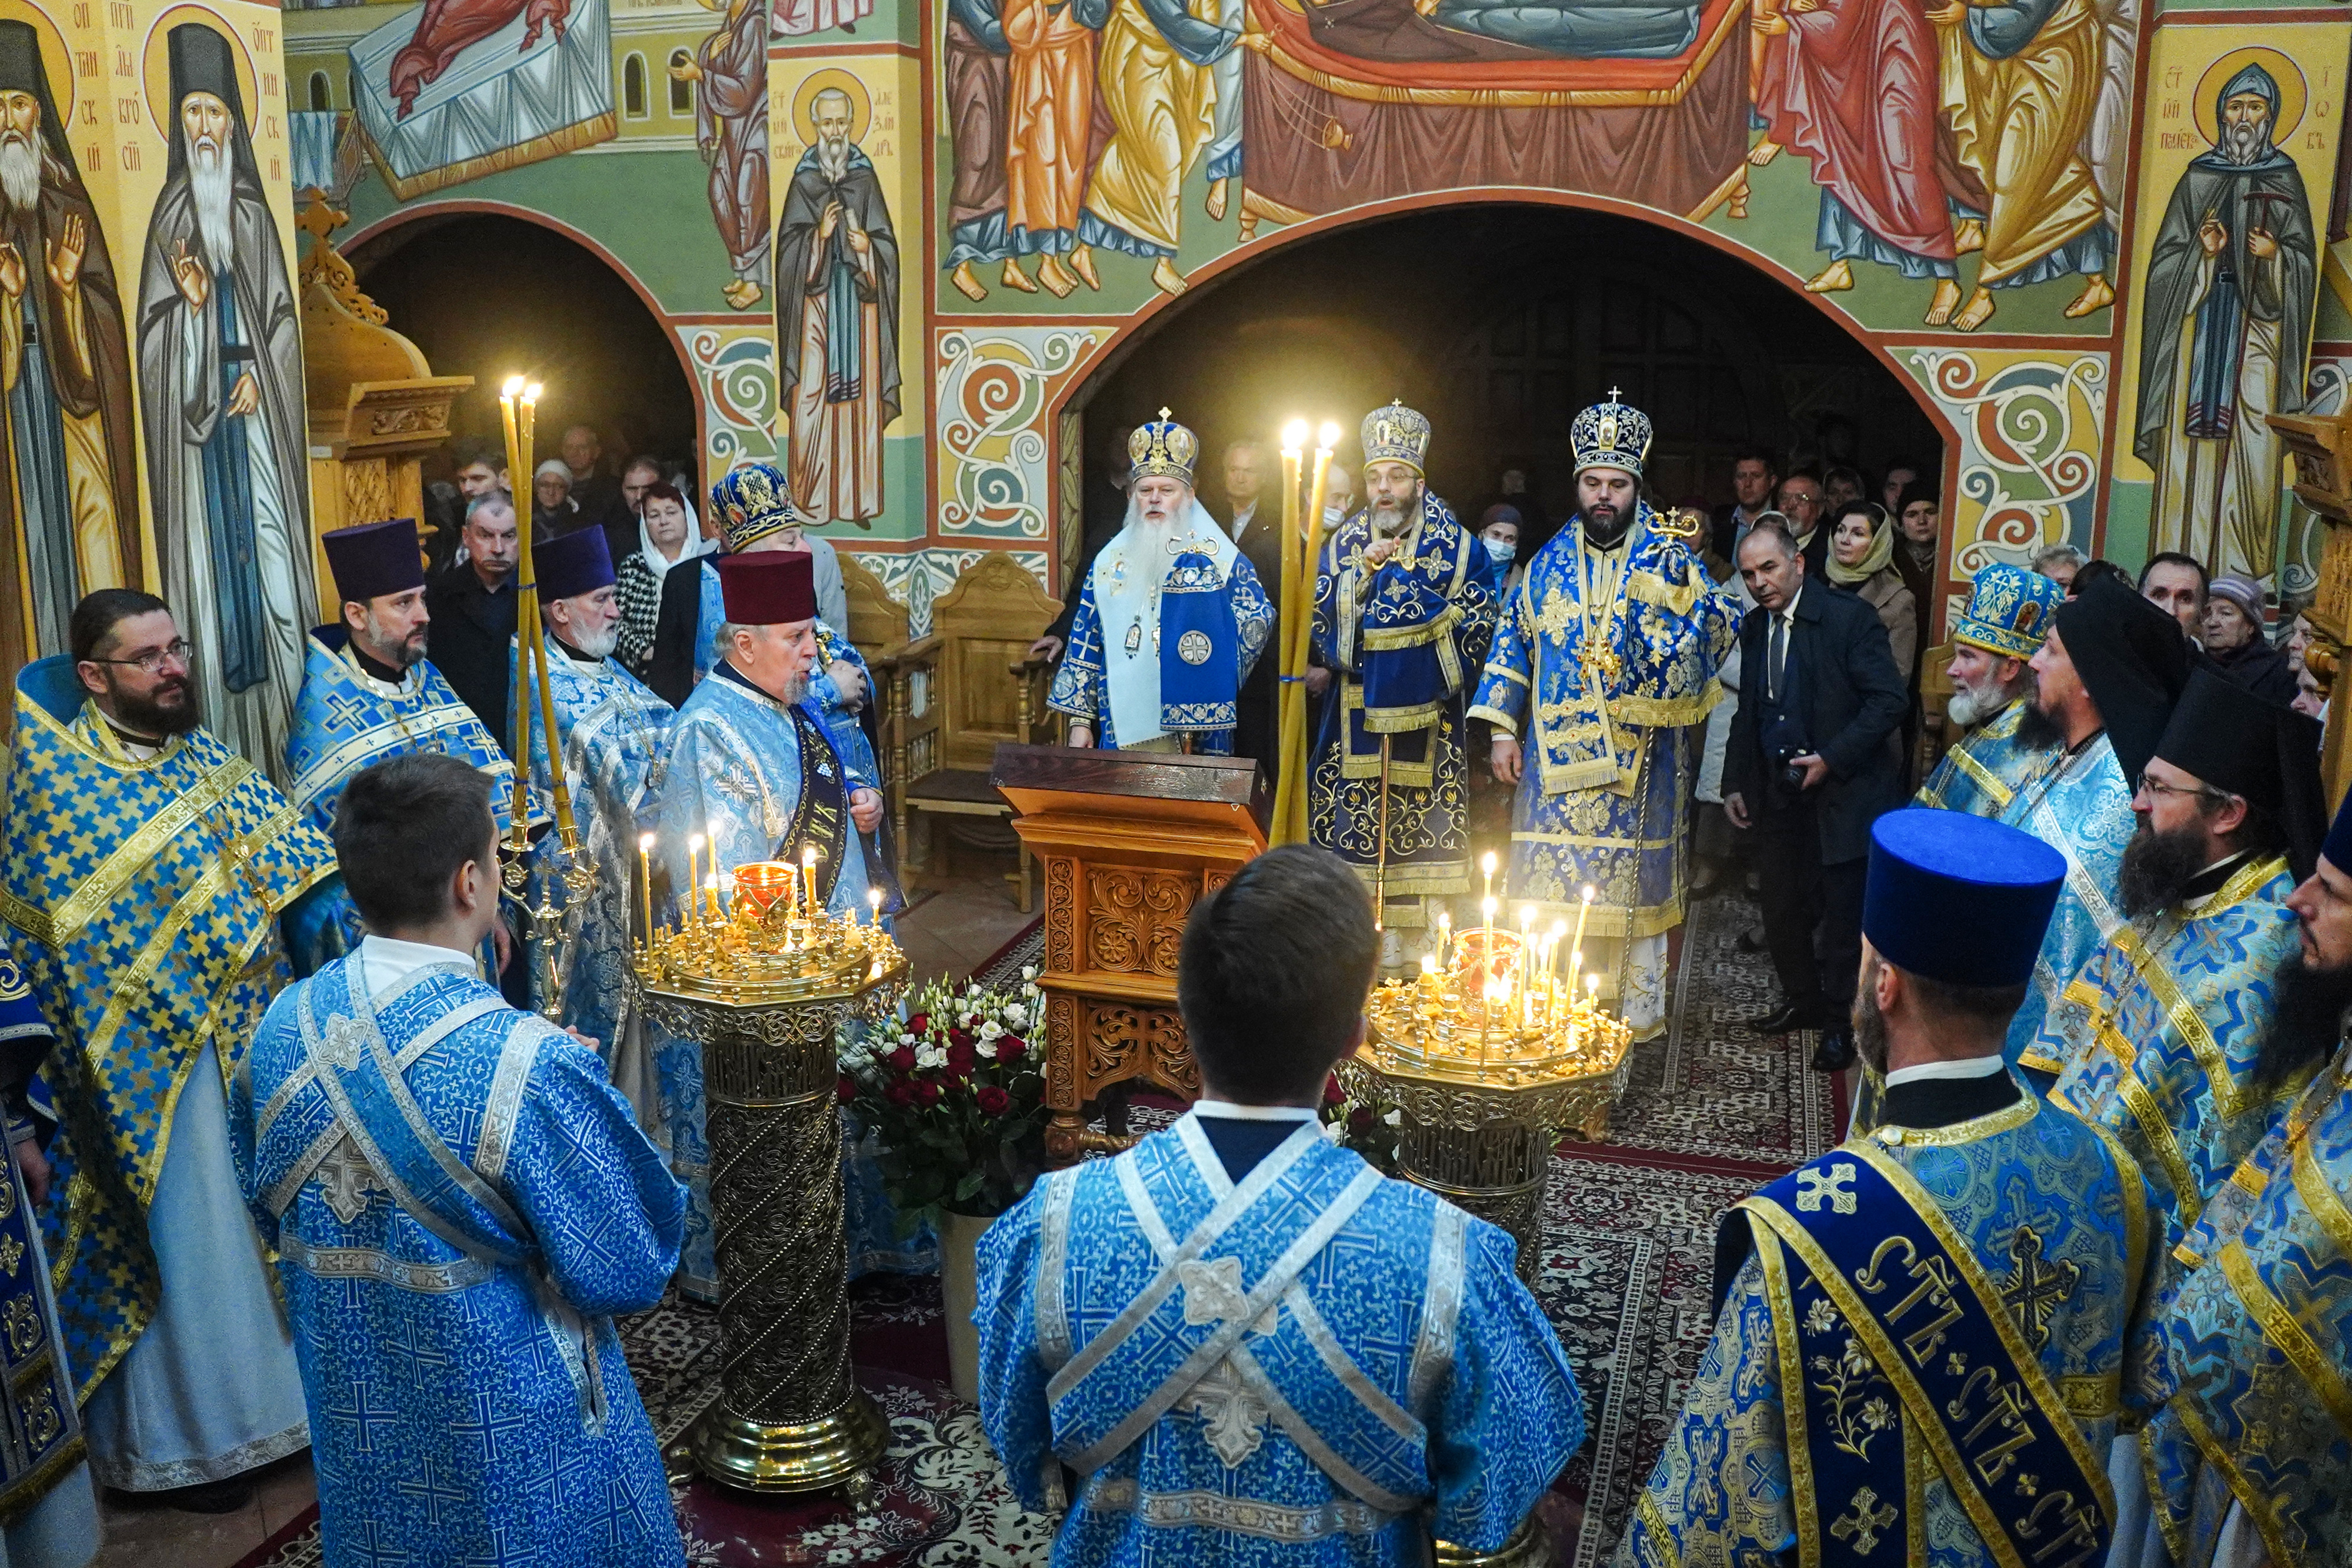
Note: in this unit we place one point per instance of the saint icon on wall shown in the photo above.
(71, 499)
(730, 131)
(836, 306)
(220, 383)
(2227, 312)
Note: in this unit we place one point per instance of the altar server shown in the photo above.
(2008, 616)
(1604, 656)
(1170, 620)
(1926, 1338)
(616, 740)
(460, 1203)
(2158, 1037)
(156, 882)
(1248, 1346)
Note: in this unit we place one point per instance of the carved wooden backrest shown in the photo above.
(984, 624)
(1935, 693)
(876, 621)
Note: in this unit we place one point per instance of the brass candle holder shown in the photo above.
(765, 985)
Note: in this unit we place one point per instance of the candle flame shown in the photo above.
(645, 842)
(808, 857)
(694, 842)
(1487, 864)
(1329, 437)
(513, 387)
(1587, 893)
(531, 393)
(1593, 983)
(1526, 915)
(1429, 963)
(1558, 929)
(1490, 905)
(1294, 437)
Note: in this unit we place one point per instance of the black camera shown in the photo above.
(1792, 772)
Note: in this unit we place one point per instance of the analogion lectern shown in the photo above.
(1129, 841)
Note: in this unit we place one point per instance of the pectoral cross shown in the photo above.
(1862, 1527)
(2036, 1289)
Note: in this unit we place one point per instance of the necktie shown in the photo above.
(1779, 658)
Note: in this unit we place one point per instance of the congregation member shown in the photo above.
(2176, 584)
(1801, 501)
(666, 538)
(472, 607)
(1258, 533)
(1812, 760)
(2247, 1464)
(1403, 621)
(2238, 643)
(2104, 680)
(1919, 536)
(1248, 1346)
(753, 776)
(1499, 531)
(1861, 562)
(616, 740)
(1927, 1338)
(594, 495)
(460, 1204)
(2059, 563)
(1170, 620)
(156, 883)
(1755, 476)
(553, 509)
(1603, 660)
(2010, 613)
(2159, 1034)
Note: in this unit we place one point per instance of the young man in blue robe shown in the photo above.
(753, 776)
(1604, 657)
(615, 741)
(1237, 1343)
(1928, 1337)
(2009, 614)
(156, 884)
(460, 1202)
(1170, 620)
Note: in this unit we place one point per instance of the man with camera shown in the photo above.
(1813, 760)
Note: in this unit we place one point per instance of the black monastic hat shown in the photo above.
(202, 62)
(20, 59)
(2132, 660)
(2235, 741)
(373, 560)
(575, 563)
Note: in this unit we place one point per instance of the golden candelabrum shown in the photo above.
(1494, 1050)
(756, 973)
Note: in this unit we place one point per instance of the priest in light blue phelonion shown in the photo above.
(1251, 1349)
(1170, 620)
(615, 740)
(460, 1203)
(1926, 1339)
(2008, 615)
(753, 776)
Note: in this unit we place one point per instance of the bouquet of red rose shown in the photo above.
(955, 1096)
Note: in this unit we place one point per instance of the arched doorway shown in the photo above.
(487, 294)
(1500, 321)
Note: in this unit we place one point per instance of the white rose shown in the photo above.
(1334, 1131)
(985, 1049)
(1015, 1013)
(990, 1028)
(929, 1057)
(1028, 971)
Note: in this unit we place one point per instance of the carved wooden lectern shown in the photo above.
(1129, 841)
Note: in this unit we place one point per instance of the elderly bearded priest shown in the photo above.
(1170, 621)
(2009, 614)
(1927, 1337)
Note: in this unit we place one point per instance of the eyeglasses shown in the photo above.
(2153, 786)
(178, 652)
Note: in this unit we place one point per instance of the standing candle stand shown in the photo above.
(764, 980)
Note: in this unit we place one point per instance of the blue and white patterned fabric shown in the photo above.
(2042, 1230)
(1983, 770)
(1316, 1366)
(832, 647)
(2156, 1039)
(460, 1203)
(2080, 805)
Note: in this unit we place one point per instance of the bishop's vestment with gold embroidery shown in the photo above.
(1983, 770)
(1314, 1365)
(1928, 1345)
(1603, 659)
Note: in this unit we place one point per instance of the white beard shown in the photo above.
(2244, 144)
(20, 171)
(833, 157)
(214, 189)
(599, 644)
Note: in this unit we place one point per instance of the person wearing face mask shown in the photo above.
(1499, 531)
(1611, 644)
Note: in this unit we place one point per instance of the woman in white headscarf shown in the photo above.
(667, 537)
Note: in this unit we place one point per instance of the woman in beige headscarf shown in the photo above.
(1862, 560)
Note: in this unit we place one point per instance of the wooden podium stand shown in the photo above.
(1129, 841)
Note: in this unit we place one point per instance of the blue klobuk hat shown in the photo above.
(1958, 898)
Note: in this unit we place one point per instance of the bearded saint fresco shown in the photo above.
(2226, 331)
(221, 395)
(72, 505)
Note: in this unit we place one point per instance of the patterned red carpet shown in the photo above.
(1713, 1111)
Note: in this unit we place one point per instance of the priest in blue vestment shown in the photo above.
(1170, 619)
(1605, 655)
(2104, 681)
(753, 776)
(615, 741)
(2009, 614)
(1927, 1338)
(1402, 620)
(1237, 1343)
(155, 885)
(460, 1203)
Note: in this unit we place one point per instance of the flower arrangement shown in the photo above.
(1361, 1127)
(955, 1096)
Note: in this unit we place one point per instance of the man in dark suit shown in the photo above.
(473, 608)
(1257, 534)
(1812, 761)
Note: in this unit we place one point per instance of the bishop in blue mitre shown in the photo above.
(1238, 1344)
(616, 740)
(2157, 1038)
(1170, 619)
(2104, 681)
(460, 1203)
(1402, 622)
(155, 885)
(1927, 1338)
(1605, 656)
(753, 776)
(1994, 642)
